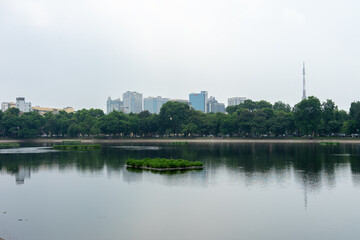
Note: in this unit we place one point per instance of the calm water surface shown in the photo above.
(246, 191)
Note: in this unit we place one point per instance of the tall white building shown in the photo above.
(22, 105)
(132, 102)
(236, 101)
(154, 104)
(114, 105)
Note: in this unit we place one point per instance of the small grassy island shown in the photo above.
(329, 143)
(9, 145)
(76, 147)
(163, 164)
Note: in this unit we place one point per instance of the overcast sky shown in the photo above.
(78, 52)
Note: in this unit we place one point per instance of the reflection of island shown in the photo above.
(24, 172)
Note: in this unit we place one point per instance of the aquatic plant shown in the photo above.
(163, 163)
(76, 147)
(9, 145)
(329, 143)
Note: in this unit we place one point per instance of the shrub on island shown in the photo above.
(163, 163)
(9, 145)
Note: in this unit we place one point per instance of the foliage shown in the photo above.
(248, 119)
(162, 163)
(9, 145)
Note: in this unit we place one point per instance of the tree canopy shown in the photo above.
(248, 119)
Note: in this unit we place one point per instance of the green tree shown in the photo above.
(173, 115)
(307, 114)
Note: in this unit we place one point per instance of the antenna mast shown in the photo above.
(304, 91)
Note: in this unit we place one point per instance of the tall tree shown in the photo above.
(307, 115)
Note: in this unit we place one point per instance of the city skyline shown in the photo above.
(60, 56)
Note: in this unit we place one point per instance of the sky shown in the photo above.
(79, 52)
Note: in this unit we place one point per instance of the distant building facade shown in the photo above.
(214, 106)
(43, 110)
(236, 101)
(6, 105)
(132, 102)
(180, 101)
(153, 105)
(198, 101)
(114, 105)
(22, 105)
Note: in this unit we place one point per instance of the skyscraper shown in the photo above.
(114, 105)
(153, 105)
(132, 102)
(236, 101)
(214, 106)
(198, 101)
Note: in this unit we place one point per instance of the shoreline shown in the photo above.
(195, 140)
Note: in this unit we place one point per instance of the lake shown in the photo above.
(246, 191)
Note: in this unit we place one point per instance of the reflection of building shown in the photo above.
(214, 106)
(132, 102)
(114, 105)
(153, 105)
(236, 101)
(22, 174)
(22, 105)
(6, 105)
(198, 101)
(43, 110)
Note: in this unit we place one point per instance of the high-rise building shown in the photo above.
(6, 105)
(132, 102)
(153, 105)
(180, 101)
(22, 105)
(214, 106)
(236, 101)
(114, 105)
(198, 101)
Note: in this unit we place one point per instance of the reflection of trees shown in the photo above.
(312, 165)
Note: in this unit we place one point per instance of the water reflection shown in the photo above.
(311, 165)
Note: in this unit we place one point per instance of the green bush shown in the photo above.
(9, 145)
(162, 163)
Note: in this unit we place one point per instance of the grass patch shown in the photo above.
(179, 143)
(71, 142)
(329, 143)
(163, 163)
(9, 145)
(76, 147)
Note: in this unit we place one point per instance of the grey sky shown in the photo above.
(79, 52)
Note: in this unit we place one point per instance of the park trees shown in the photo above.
(307, 114)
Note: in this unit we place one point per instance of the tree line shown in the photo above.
(309, 117)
